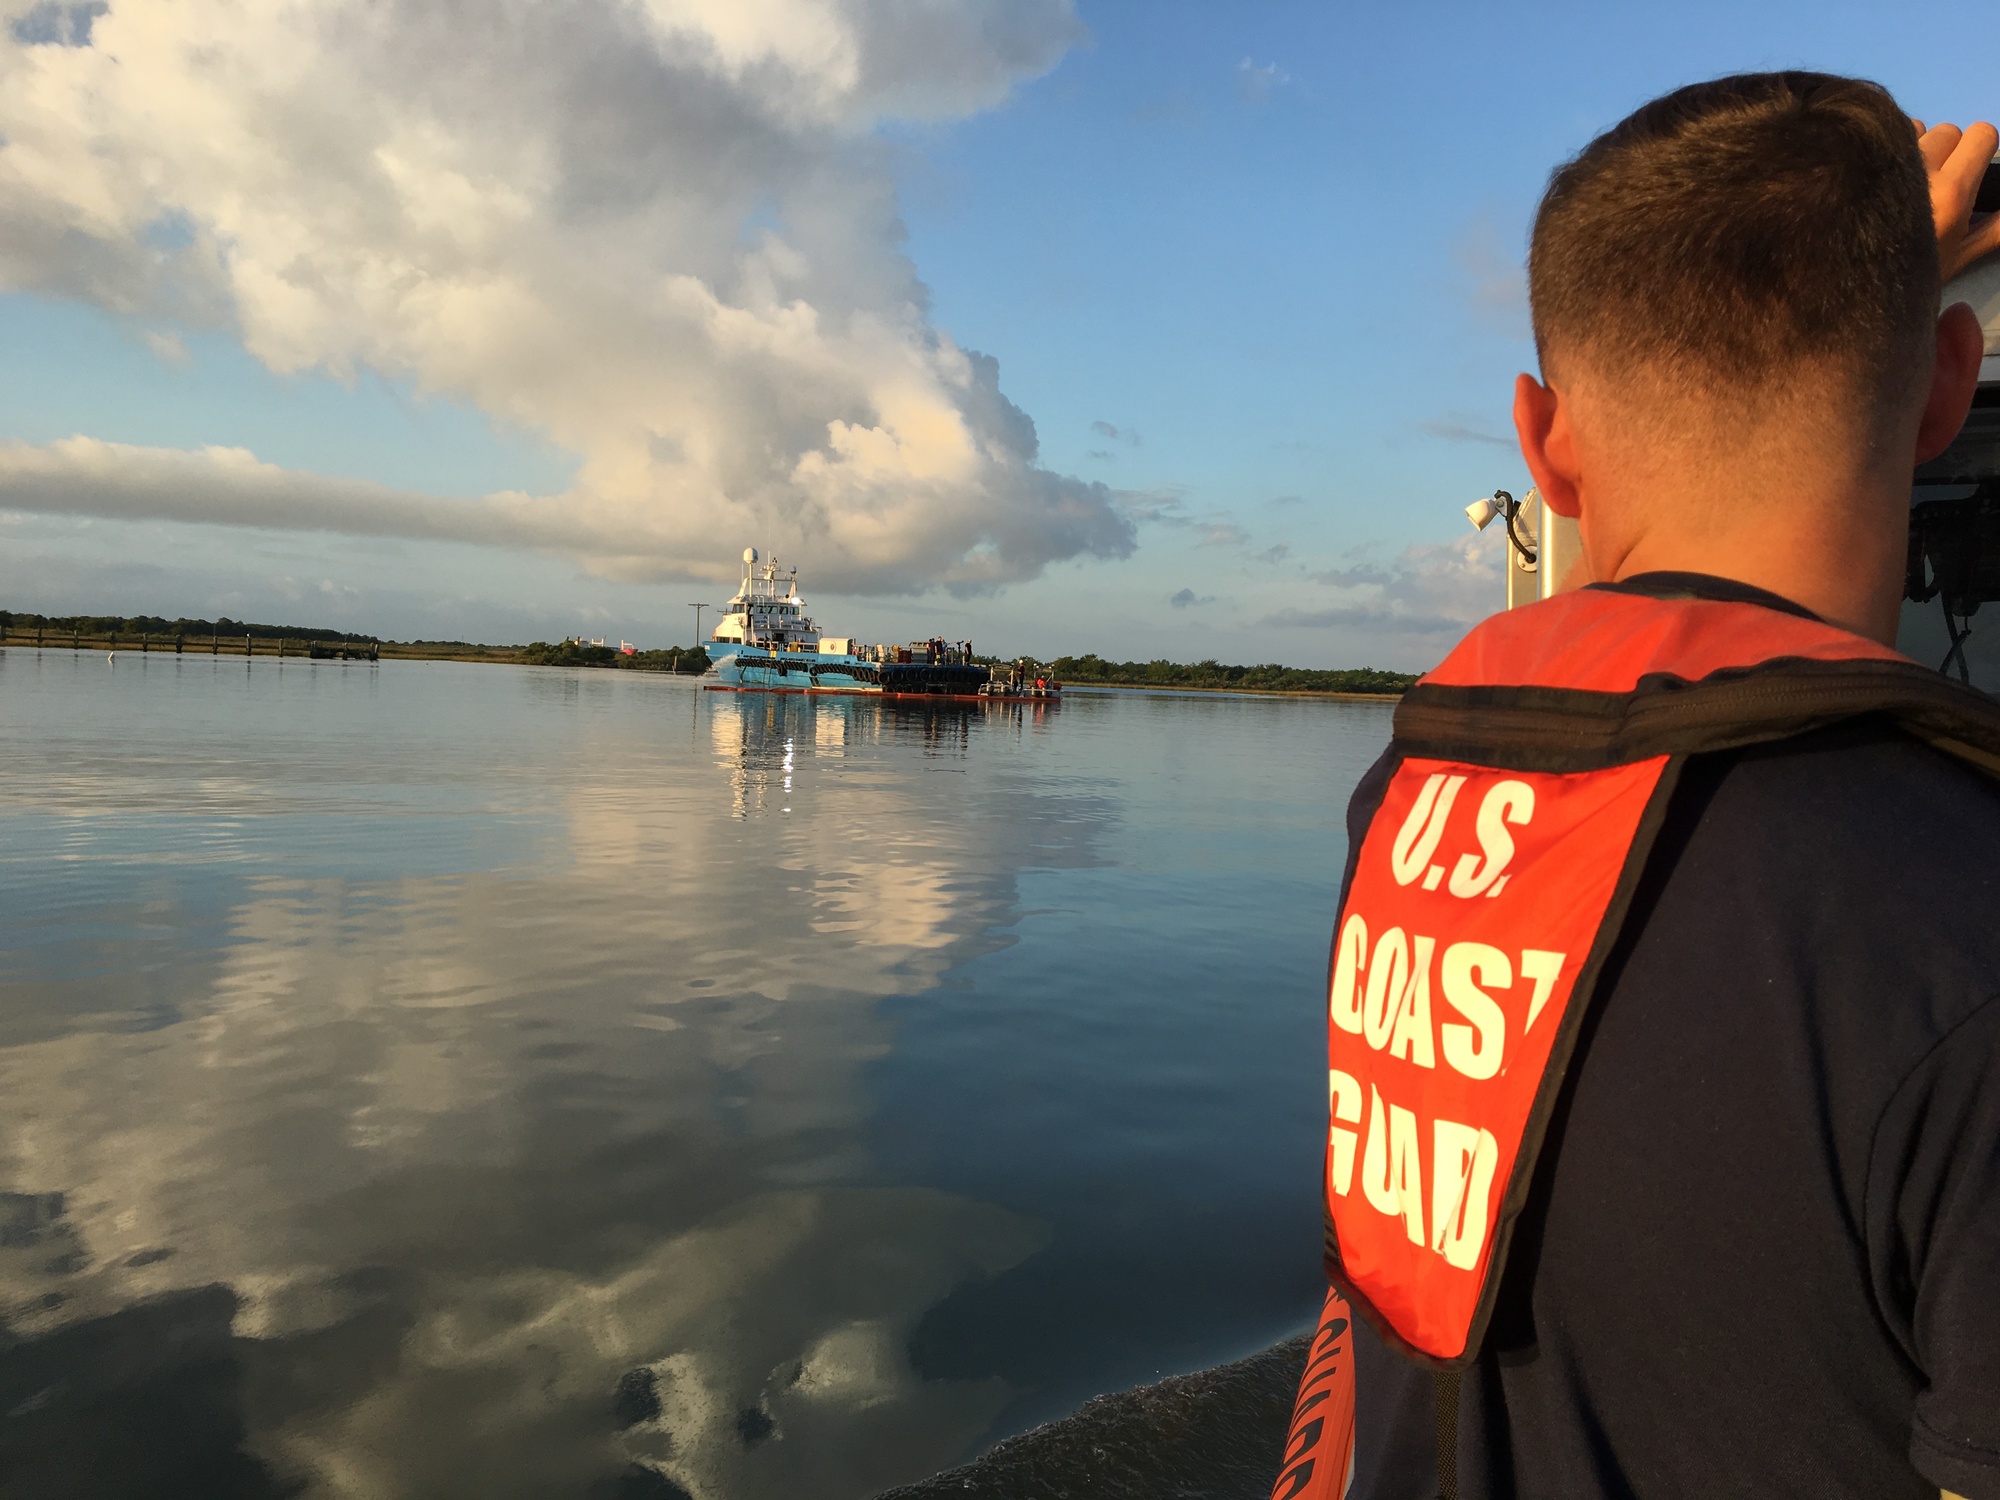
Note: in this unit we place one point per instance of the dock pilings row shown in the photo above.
(41, 638)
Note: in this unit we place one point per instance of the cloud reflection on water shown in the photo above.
(467, 1149)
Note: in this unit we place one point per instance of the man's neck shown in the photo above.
(1778, 494)
(1841, 556)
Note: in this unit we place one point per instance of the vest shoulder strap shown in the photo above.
(1594, 679)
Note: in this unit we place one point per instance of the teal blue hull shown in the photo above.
(797, 672)
(757, 670)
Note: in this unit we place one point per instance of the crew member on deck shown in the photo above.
(1664, 1005)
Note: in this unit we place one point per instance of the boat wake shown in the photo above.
(1214, 1435)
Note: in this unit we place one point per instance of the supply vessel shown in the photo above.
(766, 642)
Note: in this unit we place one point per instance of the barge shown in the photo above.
(766, 642)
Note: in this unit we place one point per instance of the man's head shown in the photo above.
(1735, 297)
(1738, 238)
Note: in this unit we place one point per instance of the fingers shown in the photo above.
(1982, 146)
(1973, 150)
(1937, 145)
(1956, 161)
(1955, 180)
(1985, 132)
(1957, 157)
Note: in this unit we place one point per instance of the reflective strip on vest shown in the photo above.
(1319, 1444)
(1476, 899)
(1491, 882)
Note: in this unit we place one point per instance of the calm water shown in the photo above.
(441, 1080)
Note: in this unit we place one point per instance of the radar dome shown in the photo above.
(749, 554)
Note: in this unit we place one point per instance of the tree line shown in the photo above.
(1089, 668)
(689, 659)
(541, 653)
(156, 625)
(1270, 677)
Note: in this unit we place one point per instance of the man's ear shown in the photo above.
(1542, 422)
(1954, 377)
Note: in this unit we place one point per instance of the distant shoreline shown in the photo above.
(295, 649)
(287, 648)
(300, 647)
(153, 635)
(1229, 692)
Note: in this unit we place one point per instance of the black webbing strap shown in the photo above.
(1573, 729)
(1446, 1386)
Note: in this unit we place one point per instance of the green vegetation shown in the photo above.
(1213, 675)
(152, 632)
(129, 630)
(689, 659)
(132, 627)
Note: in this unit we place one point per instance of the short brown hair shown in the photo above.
(1731, 233)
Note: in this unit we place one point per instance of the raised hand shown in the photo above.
(1956, 160)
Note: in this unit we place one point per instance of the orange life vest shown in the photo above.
(1319, 1446)
(1528, 775)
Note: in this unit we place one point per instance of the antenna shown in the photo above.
(697, 608)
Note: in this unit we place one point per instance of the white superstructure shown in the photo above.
(767, 611)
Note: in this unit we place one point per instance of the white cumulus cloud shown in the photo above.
(663, 233)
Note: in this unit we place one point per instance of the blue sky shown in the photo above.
(1254, 269)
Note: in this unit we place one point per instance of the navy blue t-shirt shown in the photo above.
(1762, 1251)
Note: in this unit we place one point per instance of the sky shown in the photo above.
(1148, 328)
